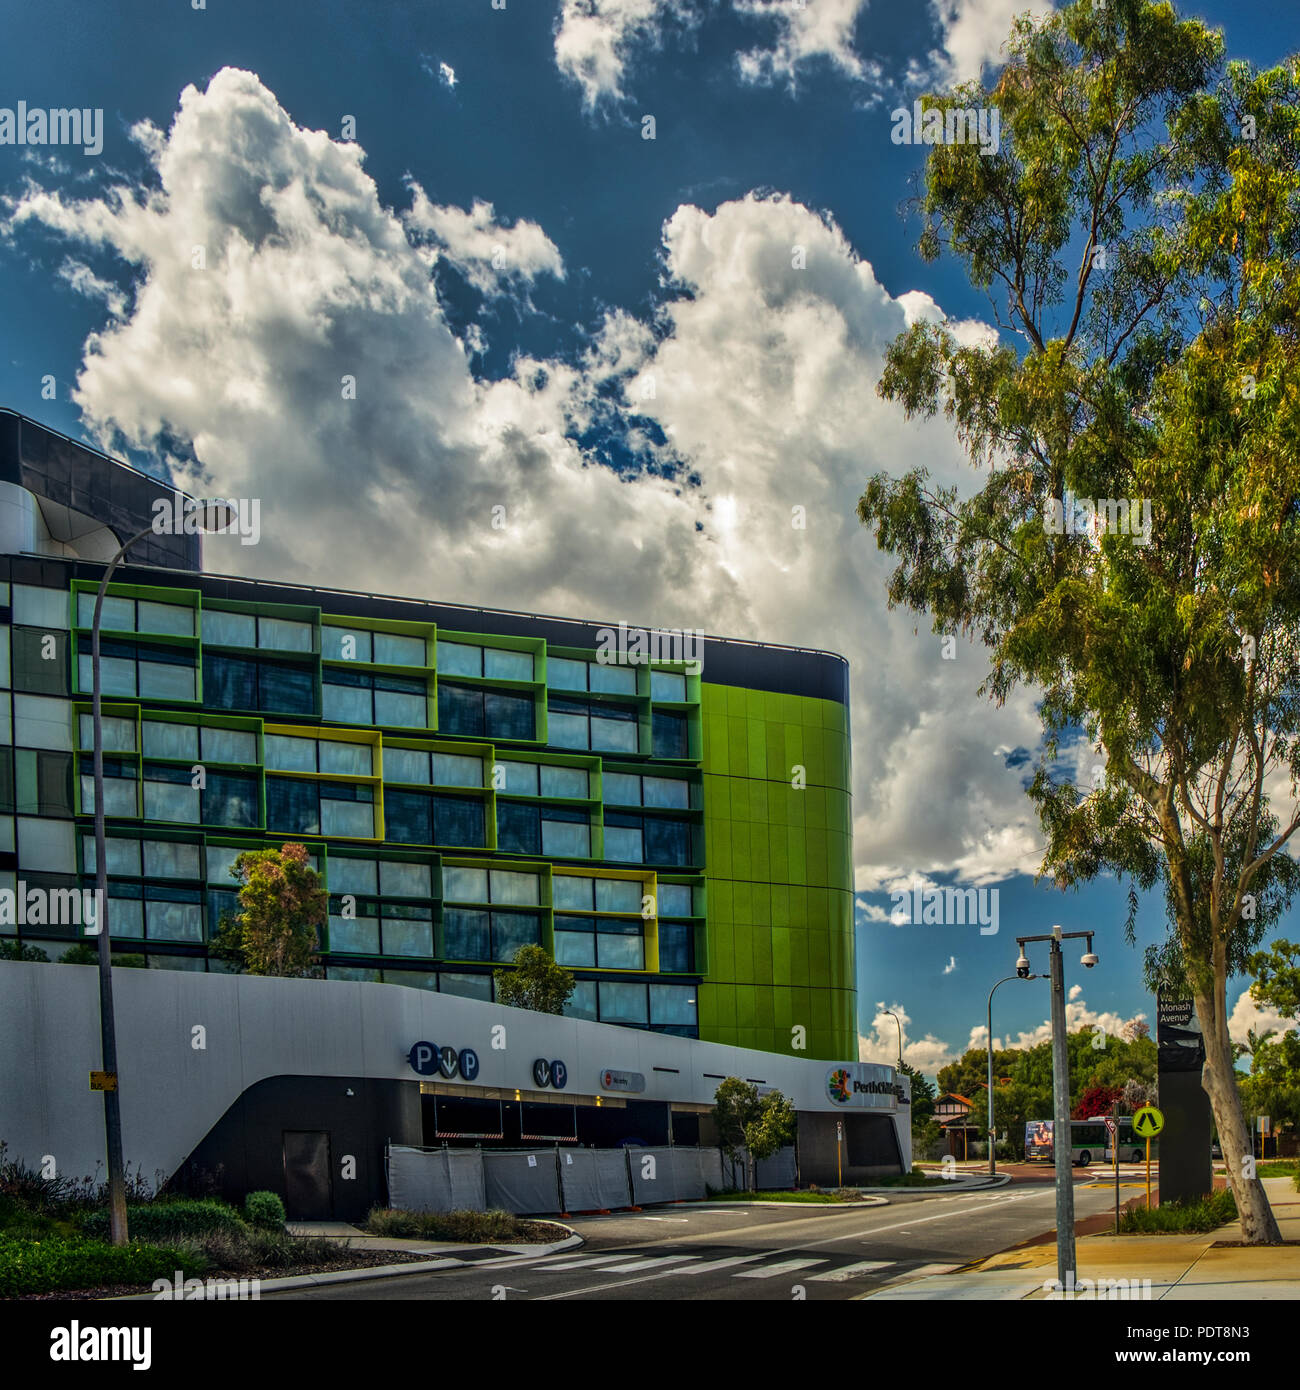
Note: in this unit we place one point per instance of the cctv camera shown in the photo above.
(1089, 960)
(1022, 966)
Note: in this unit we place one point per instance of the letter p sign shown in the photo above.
(424, 1058)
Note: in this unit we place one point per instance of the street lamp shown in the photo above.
(1060, 1093)
(215, 514)
(988, 1038)
(894, 1016)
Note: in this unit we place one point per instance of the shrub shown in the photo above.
(14, 950)
(1207, 1214)
(166, 1220)
(252, 1248)
(467, 1227)
(264, 1209)
(72, 1262)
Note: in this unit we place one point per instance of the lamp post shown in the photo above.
(988, 1038)
(107, 1023)
(1061, 1148)
(894, 1016)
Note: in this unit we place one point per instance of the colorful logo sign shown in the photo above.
(837, 1083)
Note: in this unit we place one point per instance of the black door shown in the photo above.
(308, 1192)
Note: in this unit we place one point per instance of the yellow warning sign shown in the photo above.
(1148, 1122)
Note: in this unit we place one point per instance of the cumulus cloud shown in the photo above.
(973, 35)
(951, 966)
(1247, 1017)
(594, 40)
(822, 29)
(755, 378)
(489, 254)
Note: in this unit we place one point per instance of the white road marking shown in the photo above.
(771, 1271)
(835, 1276)
(655, 1263)
(578, 1264)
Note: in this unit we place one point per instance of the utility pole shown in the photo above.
(988, 1038)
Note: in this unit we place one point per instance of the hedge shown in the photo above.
(61, 1262)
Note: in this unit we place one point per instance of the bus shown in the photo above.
(1089, 1141)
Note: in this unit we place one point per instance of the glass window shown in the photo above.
(168, 795)
(230, 800)
(520, 778)
(161, 740)
(675, 900)
(464, 885)
(285, 689)
(511, 887)
(458, 820)
(454, 770)
(511, 930)
(562, 674)
(667, 841)
(400, 880)
(613, 680)
(174, 921)
(623, 842)
(292, 806)
(676, 950)
(119, 734)
(457, 659)
(465, 986)
(364, 974)
(518, 828)
(582, 1002)
(229, 745)
(412, 979)
(392, 649)
(229, 629)
(667, 685)
(620, 950)
(34, 671)
(116, 615)
(345, 644)
(347, 759)
(170, 859)
(354, 876)
(406, 765)
(572, 892)
(613, 735)
(565, 839)
(564, 781)
(345, 704)
(121, 855)
(669, 792)
(116, 675)
(575, 948)
(673, 1004)
(502, 665)
(460, 709)
(465, 934)
(229, 682)
(621, 789)
(285, 753)
(221, 859)
(669, 739)
(125, 915)
(509, 716)
(403, 937)
(405, 707)
(566, 730)
(348, 819)
(284, 635)
(354, 935)
(171, 618)
(166, 681)
(622, 1002)
(618, 895)
(119, 793)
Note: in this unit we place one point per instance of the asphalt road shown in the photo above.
(735, 1252)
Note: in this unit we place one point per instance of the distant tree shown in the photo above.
(763, 1125)
(83, 953)
(1097, 1101)
(11, 949)
(536, 982)
(1277, 978)
(922, 1095)
(282, 908)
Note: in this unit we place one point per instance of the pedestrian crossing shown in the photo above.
(797, 1266)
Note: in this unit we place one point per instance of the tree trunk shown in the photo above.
(1258, 1224)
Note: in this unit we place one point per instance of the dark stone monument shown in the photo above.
(1185, 1169)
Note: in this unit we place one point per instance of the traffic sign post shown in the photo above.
(1147, 1123)
(1112, 1128)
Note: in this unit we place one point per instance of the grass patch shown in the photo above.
(1279, 1168)
(457, 1227)
(1178, 1218)
(813, 1197)
(74, 1262)
(916, 1178)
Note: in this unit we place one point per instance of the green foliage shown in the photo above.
(1277, 978)
(922, 1095)
(72, 1262)
(83, 953)
(252, 1249)
(462, 1227)
(1171, 1218)
(1273, 1086)
(167, 1220)
(536, 982)
(265, 1209)
(12, 949)
(772, 1127)
(282, 909)
(762, 1125)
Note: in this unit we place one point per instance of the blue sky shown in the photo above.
(643, 379)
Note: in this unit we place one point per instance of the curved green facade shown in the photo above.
(778, 850)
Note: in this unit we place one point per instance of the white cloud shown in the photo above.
(594, 39)
(819, 29)
(1246, 1016)
(951, 966)
(974, 34)
(762, 376)
(84, 281)
(447, 74)
(489, 254)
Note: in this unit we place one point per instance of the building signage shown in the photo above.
(613, 1080)
(550, 1074)
(428, 1059)
(1180, 1043)
(866, 1084)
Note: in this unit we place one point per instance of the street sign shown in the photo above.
(1263, 1124)
(1110, 1126)
(103, 1081)
(1148, 1122)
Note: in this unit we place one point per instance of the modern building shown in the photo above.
(668, 815)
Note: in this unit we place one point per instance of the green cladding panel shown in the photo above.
(778, 850)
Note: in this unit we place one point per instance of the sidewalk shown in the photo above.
(1179, 1268)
